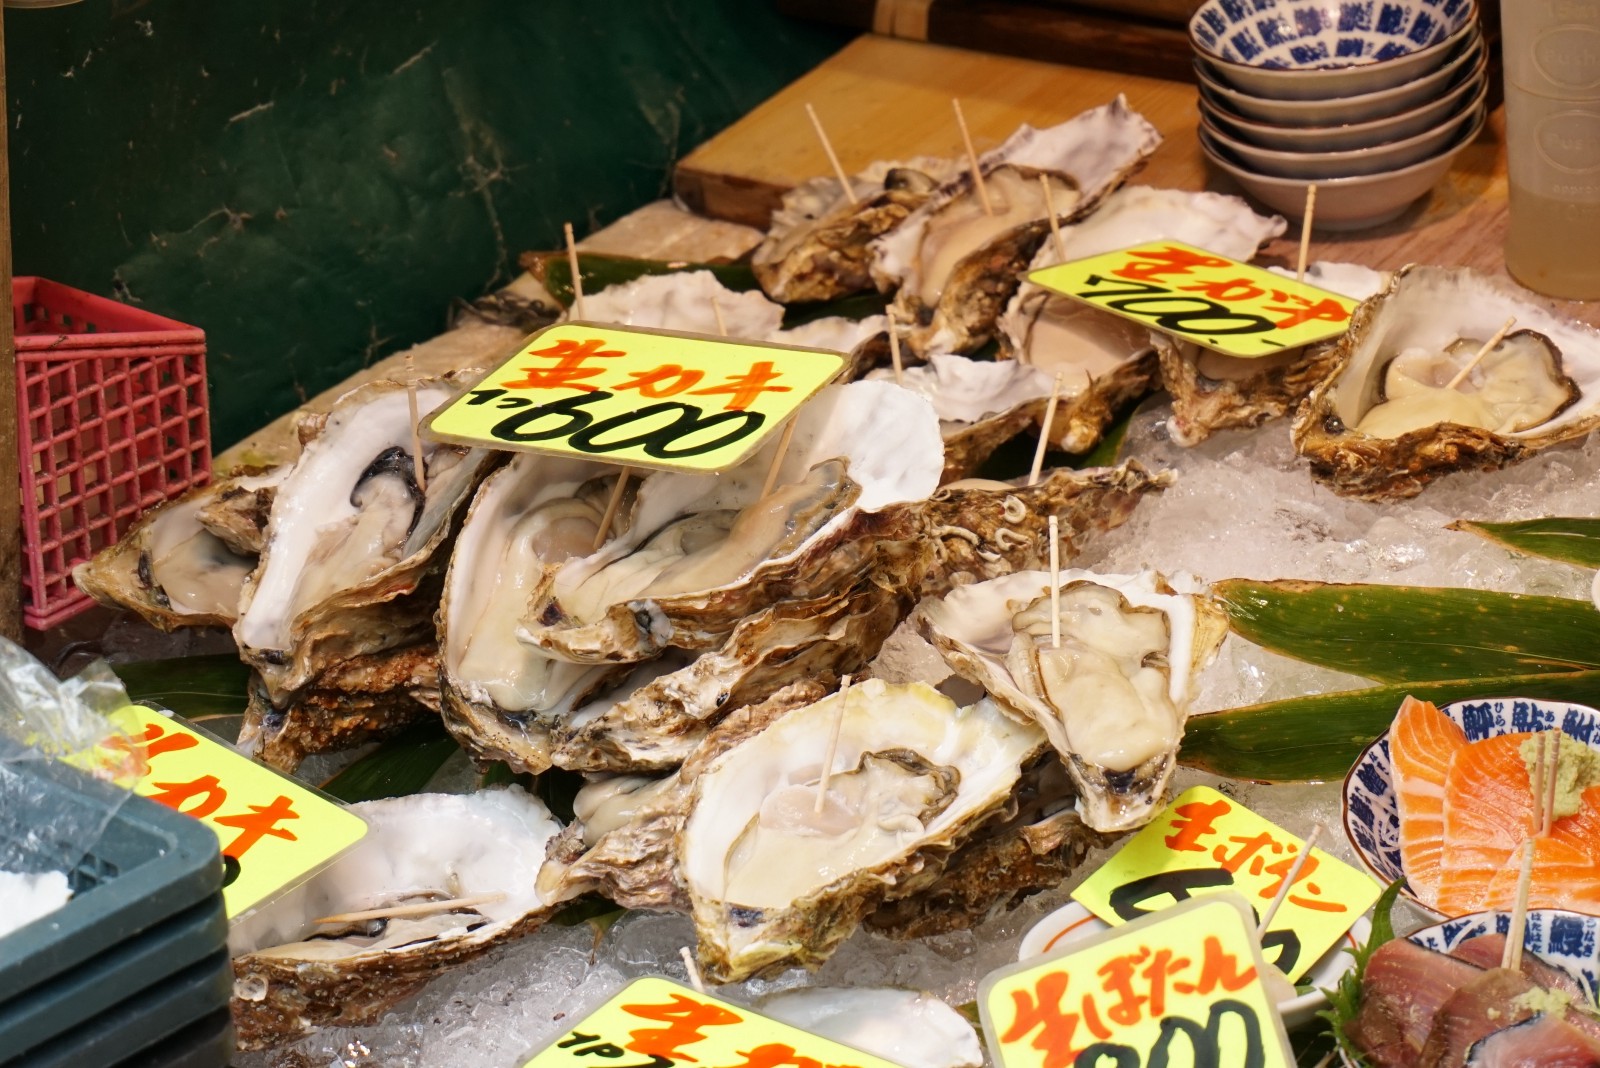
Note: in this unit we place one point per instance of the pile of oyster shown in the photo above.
(691, 660)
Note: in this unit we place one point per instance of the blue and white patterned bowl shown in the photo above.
(1568, 940)
(1371, 814)
(1319, 49)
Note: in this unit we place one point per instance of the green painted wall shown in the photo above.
(313, 181)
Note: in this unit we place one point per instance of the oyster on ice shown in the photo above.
(819, 246)
(955, 264)
(1105, 360)
(905, 1027)
(476, 855)
(1385, 422)
(1212, 391)
(1112, 695)
(774, 883)
(351, 562)
(169, 568)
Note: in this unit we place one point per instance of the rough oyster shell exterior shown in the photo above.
(1431, 307)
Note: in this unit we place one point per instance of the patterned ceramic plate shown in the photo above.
(1315, 34)
(1371, 815)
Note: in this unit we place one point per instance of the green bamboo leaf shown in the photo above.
(600, 270)
(1317, 738)
(1572, 541)
(194, 687)
(400, 765)
(1414, 633)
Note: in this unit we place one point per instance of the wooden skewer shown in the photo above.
(417, 466)
(894, 348)
(612, 505)
(833, 745)
(1538, 782)
(827, 146)
(716, 310)
(1499, 336)
(1511, 957)
(693, 969)
(972, 159)
(777, 458)
(1044, 431)
(1055, 224)
(1547, 809)
(577, 277)
(1055, 584)
(1305, 231)
(1288, 880)
(421, 908)
(1327, 1059)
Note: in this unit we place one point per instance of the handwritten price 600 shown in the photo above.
(661, 430)
(1173, 311)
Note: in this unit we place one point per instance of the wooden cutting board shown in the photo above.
(882, 98)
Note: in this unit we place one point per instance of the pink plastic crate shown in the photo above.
(111, 419)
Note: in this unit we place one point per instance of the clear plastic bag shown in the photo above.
(45, 719)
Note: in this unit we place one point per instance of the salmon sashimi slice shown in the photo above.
(1422, 744)
(1488, 812)
(1565, 876)
(1582, 828)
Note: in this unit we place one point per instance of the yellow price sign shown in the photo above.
(1205, 843)
(1180, 987)
(655, 1023)
(1209, 299)
(273, 831)
(636, 397)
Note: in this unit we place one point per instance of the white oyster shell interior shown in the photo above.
(906, 1027)
(963, 390)
(418, 848)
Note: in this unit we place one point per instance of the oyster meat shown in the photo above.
(475, 856)
(1386, 422)
(904, 1027)
(1212, 391)
(955, 264)
(1104, 360)
(819, 246)
(352, 554)
(773, 882)
(1112, 693)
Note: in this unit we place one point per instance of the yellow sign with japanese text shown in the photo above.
(273, 831)
(1205, 843)
(655, 1023)
(1197, 295)
(636, 397)
(1181, 987)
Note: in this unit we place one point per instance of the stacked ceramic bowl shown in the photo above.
(1368, 99)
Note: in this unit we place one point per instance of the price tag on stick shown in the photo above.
(274, 832)
(1202, 297)
(636, 397)
(1205, 843)
(655, 1023)
(1180, 987)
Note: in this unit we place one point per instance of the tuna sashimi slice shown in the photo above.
(1487, 950)
(1541, 1041)
(1564, 876)
(1488, 812)
(1477, 1010)
(1422, 744)
(1403, 987)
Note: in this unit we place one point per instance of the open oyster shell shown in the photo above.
(292, 976)
(703, 552)
(819, 246)
(1212, 391)
(1382, 425)
(955, 265)
(1104, 360)
(352, 559)
(1113, 696)
(237, 513)
(169, 568)
(773, 883)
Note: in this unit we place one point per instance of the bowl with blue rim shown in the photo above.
(1324, 49)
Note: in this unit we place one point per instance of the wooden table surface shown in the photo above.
(882, 98)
